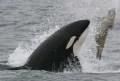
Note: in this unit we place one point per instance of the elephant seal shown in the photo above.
(102, 31)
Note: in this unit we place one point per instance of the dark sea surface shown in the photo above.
(24, 24)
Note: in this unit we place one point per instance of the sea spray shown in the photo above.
(25, 49)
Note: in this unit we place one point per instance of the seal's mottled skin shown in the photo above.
(102, 31)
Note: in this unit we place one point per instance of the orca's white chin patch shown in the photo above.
(79, 42)
(71, 41)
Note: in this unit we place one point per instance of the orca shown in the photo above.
(53, 53)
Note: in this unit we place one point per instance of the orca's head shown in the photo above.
(76, 30)
(78, 33)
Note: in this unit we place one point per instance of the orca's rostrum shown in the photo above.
(52, 54)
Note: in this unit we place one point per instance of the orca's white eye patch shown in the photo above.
(71, 41)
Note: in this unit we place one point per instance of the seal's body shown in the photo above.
(102, 31)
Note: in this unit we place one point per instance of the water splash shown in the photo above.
(25, 49)
(87, 55)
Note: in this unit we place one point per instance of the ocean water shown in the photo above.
(24, 24)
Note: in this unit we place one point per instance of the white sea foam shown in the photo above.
(25, 49)
(87, 55)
